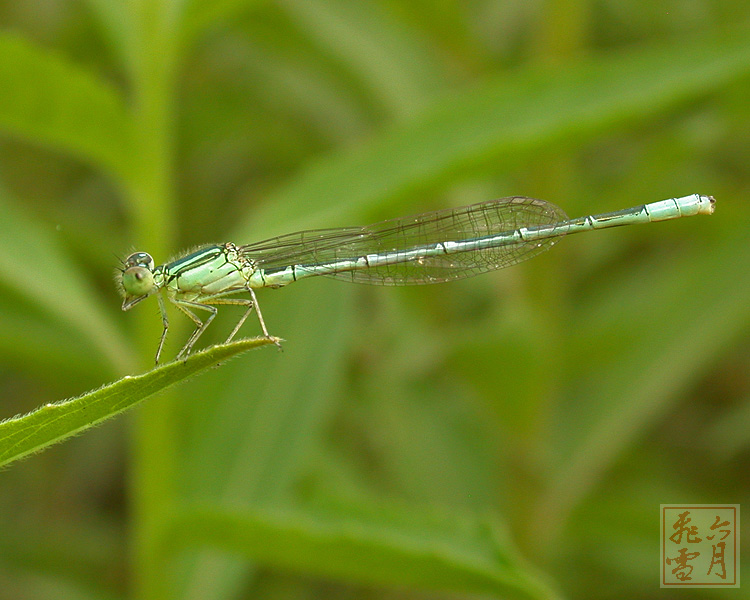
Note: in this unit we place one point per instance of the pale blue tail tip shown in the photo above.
(706, 205)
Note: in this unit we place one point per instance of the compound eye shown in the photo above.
(140, 259)
(137, 281)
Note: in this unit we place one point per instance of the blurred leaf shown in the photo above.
(116, 27)
(449, 24)
(201, 15)
(35, 585)
(295, 94)
(396, 65)
(730, 433)
(506, 116)
(44, 350)
(33, 263)
(252, 440)
(32, 549)
(368, 544)
(433, 443)
(23, 435)
(256, 438)
(679, 339)
(50, 101)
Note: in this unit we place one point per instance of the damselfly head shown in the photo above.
(137, 279)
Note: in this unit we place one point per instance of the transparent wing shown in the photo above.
(329, 246)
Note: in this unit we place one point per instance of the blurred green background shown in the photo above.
(423, 436)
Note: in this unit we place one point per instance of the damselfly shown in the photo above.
(429, 248)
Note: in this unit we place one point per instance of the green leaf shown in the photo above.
(48, 100)
(729, 434)
(22, 435)
(507, 117)
(199, 16)
(44, 349)
(115, 20)
(252, 443)
(43, 274)
(680, 329)
(370, 544)
(399, 70)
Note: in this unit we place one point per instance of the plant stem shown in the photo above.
(154, 441)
